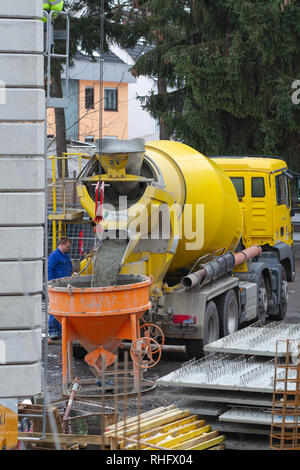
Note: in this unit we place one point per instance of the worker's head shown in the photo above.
(64, 244)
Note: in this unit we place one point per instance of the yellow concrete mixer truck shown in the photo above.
(215, 235)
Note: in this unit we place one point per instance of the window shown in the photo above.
(282, 190)
(258, 187)
(89, 97)
(238, 183)
(111, 99)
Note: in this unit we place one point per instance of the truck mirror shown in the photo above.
(288, 174)
(295, 192)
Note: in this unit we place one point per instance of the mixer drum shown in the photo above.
(207, 208)
(193, 180)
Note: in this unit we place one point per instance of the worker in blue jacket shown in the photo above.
(59, 265)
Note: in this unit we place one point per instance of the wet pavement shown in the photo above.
(149, 400)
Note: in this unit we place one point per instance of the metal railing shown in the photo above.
(65, 214)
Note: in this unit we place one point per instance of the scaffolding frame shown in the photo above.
(67, 215)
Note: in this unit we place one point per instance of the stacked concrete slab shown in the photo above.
(232, 386)
(22, 196)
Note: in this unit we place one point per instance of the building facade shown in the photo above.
(140, 123)
(83, 112)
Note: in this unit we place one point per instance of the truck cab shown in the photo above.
(263, 188)
(258, 289)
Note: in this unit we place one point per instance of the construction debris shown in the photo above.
(159, 429)
(84, 424)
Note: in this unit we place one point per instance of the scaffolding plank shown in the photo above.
(175, 427)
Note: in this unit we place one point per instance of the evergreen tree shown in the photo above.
(230, 65)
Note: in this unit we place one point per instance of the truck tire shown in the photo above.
(262, 300)
(229, 314)
(211, 327)
(284, 295)
(281, 309)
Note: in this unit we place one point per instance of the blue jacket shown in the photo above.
(59, 265)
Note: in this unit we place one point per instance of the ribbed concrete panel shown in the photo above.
(22, 208)
(20, 380)
(23, 105)
(21, 277)
(20, 70)
(21, 243)
(21, 8)
(259, 340)
(20, 312)
(22, 173)
(21, 36)
(22, 139)
(13, 342)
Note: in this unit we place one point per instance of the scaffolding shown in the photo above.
(68, 214)
(285, 428)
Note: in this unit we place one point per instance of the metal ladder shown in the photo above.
(49, 53)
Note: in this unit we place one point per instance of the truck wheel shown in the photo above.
(262, 301)
(211, 324)
(228, 309)
(281, 309)
(284, 295)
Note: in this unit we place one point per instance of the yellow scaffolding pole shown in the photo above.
(54, 203)
(62, 229)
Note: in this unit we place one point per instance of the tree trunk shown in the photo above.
(162, 89)
(60, 123)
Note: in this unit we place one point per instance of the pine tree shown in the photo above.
(151, 23)
(230, 65)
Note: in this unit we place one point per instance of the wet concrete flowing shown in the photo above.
(108, 262)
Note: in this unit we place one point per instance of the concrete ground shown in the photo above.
(168, 363)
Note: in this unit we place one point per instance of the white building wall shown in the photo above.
(22, 195)
(140, 123)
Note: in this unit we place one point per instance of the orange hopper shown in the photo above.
(98, 317)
